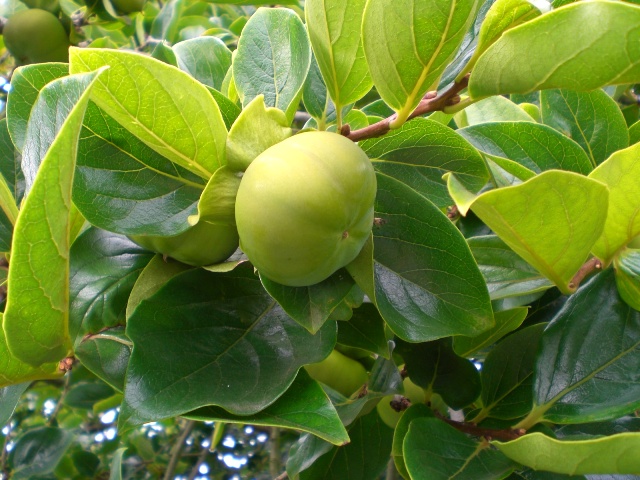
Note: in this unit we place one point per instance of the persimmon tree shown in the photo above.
(497, 280)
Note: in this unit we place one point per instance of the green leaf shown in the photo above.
(36, 316)
(272, 59)
(364, 330)
(26, 83)
(407, 53)
(38, 451)
(9, 398)
(506, 173)
(506, 273)
(435, 367)
(614, 454)
(418, 410)
(10, 167)
(627, 265)
(123, 186)
(620, 173)
(257, 128)
(191, 134)
(364, 457)
(506, 322)
(225, 322)
(573, 207)
(85, 394)
(311, 306)
(229, 110)
(334, 32)
(602, 33)
(420, 152)
(434, 450)
(106, 355)
(507, 375)
(586, 366)
(304, 407)
(116, 464)
(634, 133)
(592, 119)
(492, 109)
(427, 284)
(535, 146)
(206, 59)
(103, 269)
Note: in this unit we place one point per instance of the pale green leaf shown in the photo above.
(334, 31)
(569, 42)
(612, 454)
(408, 44)
(620, 173)
(492, 109)
(37, 312)
(164, 107)
(207, 59)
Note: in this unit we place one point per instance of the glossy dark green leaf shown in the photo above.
(103, 269)
(506, 273)
(225, 322)
(506, 322)
(192, 133)
(106, 355)
(304, 406)
(420, 152)
(427, 284)
(10, 167)
(36, 315)
(229, 110)
(311, 306)
(418, 410)
(206, 59)
(26, 83)
(613, 454)
(86, 463)
(85, 394)
(272, 59)
(124, 186)
(364, 330)
(9, 397)
(409, 43)
(602, 33)
(537, 147)
(627, 265)
(434, 450)
(592, 119)
(315, 95)
(435, 367)
(586, 366)
(507, 375)
(364, 457)
(38, 451)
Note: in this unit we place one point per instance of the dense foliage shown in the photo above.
(489, 325)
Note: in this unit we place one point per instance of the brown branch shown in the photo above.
(488, 433)
(431, 102)
(592, 265)
(176, 450)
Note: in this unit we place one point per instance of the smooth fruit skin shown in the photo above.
(411, 391)
(305, 207)
(36, 36)
(203, 244)
(341, 373)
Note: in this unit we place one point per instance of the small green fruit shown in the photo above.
(411, 391)
(203, 244)
(36, 36)
(305, 207)
(128, 6)
(339, 372)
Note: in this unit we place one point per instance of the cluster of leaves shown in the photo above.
(497, 197)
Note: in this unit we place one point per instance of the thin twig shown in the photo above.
(489, 433)
(275, 463)
(282, 476)
(176, 450)
(431, 102)
(56, 410)
(592, 265)
(201, 458)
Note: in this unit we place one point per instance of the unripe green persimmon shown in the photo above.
(203, 244)
(128, 6)
(35, 36)
(411, 391)
(305, 207)
(341, 373)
